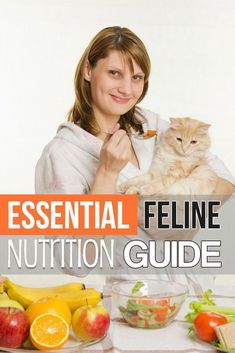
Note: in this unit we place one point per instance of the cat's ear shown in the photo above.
(203, 128)
(175, 123)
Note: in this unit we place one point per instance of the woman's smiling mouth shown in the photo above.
(120, 100)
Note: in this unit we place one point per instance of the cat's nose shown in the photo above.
(185, 147)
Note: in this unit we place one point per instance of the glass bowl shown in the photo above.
(149, 303)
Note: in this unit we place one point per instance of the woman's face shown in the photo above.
(114, 88)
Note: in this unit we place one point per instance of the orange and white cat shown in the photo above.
(179, 165)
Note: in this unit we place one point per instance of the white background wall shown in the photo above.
(191, 44)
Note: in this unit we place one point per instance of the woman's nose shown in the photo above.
(125, 86)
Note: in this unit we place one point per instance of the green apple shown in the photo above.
(90, 322)
(10, 303)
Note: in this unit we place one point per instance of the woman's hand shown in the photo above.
(224, 187)
(114, 155)
(116, 151)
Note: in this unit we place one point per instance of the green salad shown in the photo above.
(145, 312)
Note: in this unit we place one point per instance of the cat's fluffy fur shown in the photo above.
(179, 166)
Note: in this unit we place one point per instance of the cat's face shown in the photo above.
(187, 136)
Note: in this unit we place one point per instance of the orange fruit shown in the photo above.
(52, 305)
(49, 331)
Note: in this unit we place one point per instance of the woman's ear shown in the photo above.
(87, 72)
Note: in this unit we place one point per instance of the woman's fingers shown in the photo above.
(124, 143)
(111, 132)
(119, 143)
(125, 150)
(114, 128)
(116, 138)
(116, 150)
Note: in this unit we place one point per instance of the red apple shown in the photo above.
(90, 322)
(14, 327)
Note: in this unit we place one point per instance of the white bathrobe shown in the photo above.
(69, 162)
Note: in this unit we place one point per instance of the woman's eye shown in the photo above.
(193, 142)
(179, 139)
(138, 77)
(114, 73)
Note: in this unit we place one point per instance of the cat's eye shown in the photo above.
(193, 142)
(179, 139)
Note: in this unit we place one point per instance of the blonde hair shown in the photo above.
(110, 38)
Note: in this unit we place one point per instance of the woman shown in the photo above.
(95, 149)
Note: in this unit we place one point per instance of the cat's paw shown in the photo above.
(146, 190)
(179, 188)
(132, 190)
(176, 173)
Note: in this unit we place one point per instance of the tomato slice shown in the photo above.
(161, 313)
(164, 302)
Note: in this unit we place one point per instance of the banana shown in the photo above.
(3, 294)
(74, 299)
(26, 295)
(1, 287)
(9, 303)
(61, 288)
(72, 293)
(24, 298)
